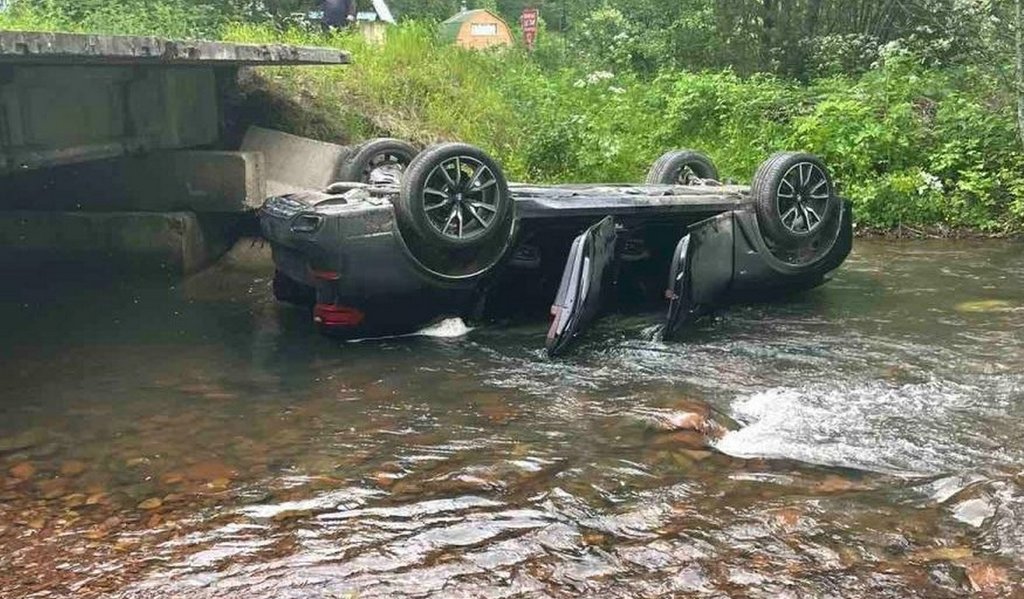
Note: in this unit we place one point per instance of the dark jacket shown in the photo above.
(336, 12)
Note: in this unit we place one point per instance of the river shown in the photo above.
(198, 439)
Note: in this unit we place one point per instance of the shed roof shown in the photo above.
(450, 28)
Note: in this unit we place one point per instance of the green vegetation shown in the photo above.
(920, 130)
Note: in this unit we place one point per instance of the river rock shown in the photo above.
(172, 478)
(789, 519)
(53, 488)
(683, 440)
(974, 512)
(837, 484)
(219, 484)
(942, 554)
(74, 500)
(103, 529)
(72, 468)
(987, 578)
(22, 471)
(286, 515)
(686, 421)
(151, 504)
(208, 471)
(385, 479)
(692, 421)
(21, 441)
(985, 306)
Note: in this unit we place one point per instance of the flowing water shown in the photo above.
(199, 440)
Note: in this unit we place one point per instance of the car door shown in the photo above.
(587, 275)
(701, 273)
(678, 292)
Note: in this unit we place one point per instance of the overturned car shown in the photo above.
(450, 236)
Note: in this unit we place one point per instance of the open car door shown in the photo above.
(679, 292)
(701, 273)
(587, 274)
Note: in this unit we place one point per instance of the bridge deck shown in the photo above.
(67, 98)
(67, 49)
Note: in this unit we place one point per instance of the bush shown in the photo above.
(909, 145)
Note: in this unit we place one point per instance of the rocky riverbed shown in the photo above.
(198, 439)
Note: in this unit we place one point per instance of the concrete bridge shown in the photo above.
(117, 148)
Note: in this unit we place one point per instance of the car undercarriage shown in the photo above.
(447, 236)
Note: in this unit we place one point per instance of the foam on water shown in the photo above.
(450, 328)
(910, 429)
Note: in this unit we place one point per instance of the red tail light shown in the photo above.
(325, 275)
(329, 315)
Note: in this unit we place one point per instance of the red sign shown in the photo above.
(528, 21)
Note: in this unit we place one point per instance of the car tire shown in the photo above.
(288, 290)
(374, 154)
(794, 198)
(454, 196)
(680, 167)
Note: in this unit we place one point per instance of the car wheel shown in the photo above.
(794, 198)
(455, 196)
(376, 156)
(454, 212)
(682, 167)
(287, 289)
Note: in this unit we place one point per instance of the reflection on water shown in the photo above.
(199, 439)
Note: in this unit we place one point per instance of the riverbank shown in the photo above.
(915, 147)
(907, 233)
(339, 106)
(917, 150)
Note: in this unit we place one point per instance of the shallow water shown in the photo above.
(199, 439)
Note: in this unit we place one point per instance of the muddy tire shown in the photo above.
(288, 290)
(374, 154)
(794, 198)
(681, 167)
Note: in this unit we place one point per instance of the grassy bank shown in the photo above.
(914, 148)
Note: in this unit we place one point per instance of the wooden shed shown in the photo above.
(477, 29)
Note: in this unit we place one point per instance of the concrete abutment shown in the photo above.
(112, 149)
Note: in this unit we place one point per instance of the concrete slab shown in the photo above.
(294, 163)
(68, 98)
(198, 181)
(53, 115)
(174, 242)
(31, 47)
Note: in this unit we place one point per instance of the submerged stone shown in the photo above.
(72, 468)
(151, 504)
(22, 471)
(985, 306)
(974, 512)
(987, 578)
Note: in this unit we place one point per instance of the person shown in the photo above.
(338, 13)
